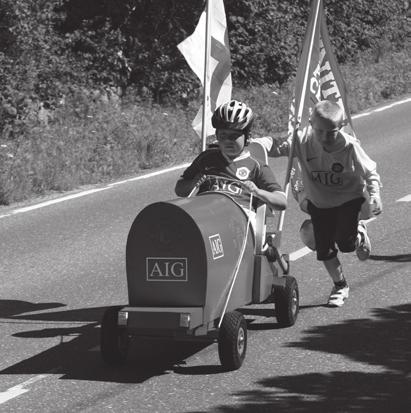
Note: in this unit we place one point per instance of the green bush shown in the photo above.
(48, 48)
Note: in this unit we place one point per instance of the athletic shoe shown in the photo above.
(338, 295)
(363, 249)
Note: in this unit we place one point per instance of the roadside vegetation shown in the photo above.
(92, 92)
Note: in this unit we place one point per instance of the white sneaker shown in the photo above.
(338, 295)
(363, 249)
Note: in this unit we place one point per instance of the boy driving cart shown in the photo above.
(230, 168)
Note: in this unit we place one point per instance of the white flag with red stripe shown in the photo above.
(218, 82)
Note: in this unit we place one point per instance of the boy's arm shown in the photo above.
(191, 177)
(184, 186)
(266, 188)
(372, 180)
(373, 189)
(275, 146)
(275, 200)
(279, 146)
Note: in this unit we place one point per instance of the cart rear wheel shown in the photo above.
(286, 301)
(232, 340)
(114, 340)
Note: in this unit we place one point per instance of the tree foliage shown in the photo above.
(51, 48)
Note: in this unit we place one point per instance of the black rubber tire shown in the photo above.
(232, 340)
(114, 340)
(286, 301)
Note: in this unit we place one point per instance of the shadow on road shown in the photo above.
(10, 308)
(77, 356)
(382, 341)
(392, 258)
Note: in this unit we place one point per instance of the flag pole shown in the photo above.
(298, 118)
(206, 83)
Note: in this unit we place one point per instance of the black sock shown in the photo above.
(341, 284)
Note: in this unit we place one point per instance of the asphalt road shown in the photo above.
(62, 264)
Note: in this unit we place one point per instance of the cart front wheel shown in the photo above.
(286, 301)
(114, 340)
(232, 340)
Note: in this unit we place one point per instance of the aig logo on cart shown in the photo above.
(216, 246)
(166, 269)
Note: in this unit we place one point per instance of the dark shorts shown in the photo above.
(335, 228)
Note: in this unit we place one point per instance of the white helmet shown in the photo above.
(307, 234)
(233, 115)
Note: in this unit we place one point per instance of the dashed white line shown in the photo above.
(12, 393)
(20, 389)
(406, 198)
(294, 256)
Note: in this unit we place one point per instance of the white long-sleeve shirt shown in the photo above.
(332, 178)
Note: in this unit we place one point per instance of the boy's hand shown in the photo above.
(250, 186)
(202, 178)
(375, 204)
(280, 147)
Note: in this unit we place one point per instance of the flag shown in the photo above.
(318, 78)
(218, 84)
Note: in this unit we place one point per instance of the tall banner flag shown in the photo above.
(207, 53)
(318, 78)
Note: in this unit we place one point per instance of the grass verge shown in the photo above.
(88, 142)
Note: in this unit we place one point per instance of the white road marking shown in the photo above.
(294, 256)
(90, 191)
(400, 102)
(361, 115)
(20, 389)
(406, 198)
(12, 393)
(56, 201)
(150, 175)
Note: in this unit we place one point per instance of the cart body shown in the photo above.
(191, 263)
(180, 258)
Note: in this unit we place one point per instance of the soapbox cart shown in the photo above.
(190, 269)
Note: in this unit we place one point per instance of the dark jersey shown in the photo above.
(224, 173)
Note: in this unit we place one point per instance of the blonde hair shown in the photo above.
(331, 111)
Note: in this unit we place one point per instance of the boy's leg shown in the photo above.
(324, 225)
(334, 269)
(351, 235)
(340, 290)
